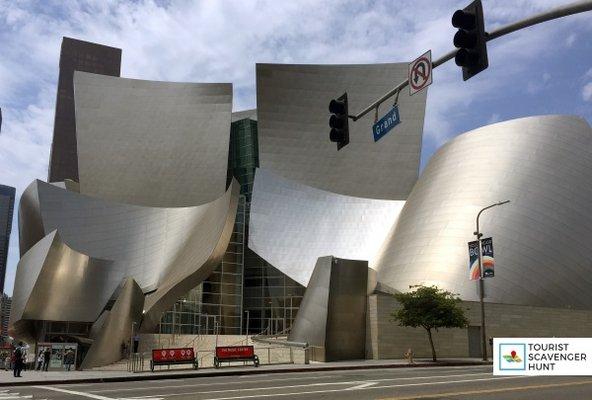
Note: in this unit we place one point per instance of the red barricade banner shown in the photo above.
(228, 352)
(165, 355)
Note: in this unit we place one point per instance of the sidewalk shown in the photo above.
(62, 377)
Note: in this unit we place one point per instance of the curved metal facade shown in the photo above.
(165, 250)
(541, 239)
(292, 112)
(144, 242)
(51, 267)
(292, 225)
(157, 144)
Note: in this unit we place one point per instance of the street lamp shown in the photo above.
(247, 326)
(132, 339)
(481, 289)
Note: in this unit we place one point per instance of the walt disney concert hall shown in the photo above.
(166, 212)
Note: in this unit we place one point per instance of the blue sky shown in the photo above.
(546, 69)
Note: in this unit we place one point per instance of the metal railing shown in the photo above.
(135, 363)
(266, 356)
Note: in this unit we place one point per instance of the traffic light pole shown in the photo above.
(559, 12)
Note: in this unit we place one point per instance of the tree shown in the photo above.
(430, 308)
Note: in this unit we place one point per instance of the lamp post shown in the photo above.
(247, 327)
(481, 286)
(131, 340)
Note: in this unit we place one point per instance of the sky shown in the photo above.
(545, 69)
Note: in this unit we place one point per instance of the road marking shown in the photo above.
(204, 384)
(6, 395)
(82, 394)
(362, 386)
(94, 396)
(484, 391)
(340, 390)
(141, 398)
(362, 383)
(286, 379)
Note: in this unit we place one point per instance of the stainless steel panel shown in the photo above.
(117, 326)
(99, 244)
(310, 325)
(292, 224)
(541, 239)
(332, 316)
(55, 282)
(158, 144)
(292, 110)
(147, 243)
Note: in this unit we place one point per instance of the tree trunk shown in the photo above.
(432, 344)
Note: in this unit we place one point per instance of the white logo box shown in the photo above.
(542, 356)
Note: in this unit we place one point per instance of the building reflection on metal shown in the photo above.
(542, 164)
(293, 224)
(292, 113)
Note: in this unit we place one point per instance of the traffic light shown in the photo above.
(470, 39)
(339, 121)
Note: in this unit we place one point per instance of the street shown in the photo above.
(397, 384)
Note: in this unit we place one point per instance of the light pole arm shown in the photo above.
(477, 233)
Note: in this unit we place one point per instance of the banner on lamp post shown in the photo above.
(487, 257)
(474, 271)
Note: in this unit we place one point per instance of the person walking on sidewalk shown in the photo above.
(39, 360)
(8, 361)
(46, 356)
(68, 359)
(409, 355)
(18, 360)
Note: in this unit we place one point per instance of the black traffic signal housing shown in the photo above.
(338, 122)
(471, 39)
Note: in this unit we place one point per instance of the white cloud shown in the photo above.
(587, 91)
(571, 39)
(495, 117)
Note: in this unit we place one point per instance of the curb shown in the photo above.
(257, 371)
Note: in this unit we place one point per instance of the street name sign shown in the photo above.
(386, 123)
(420, 73)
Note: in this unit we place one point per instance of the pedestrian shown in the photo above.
(3, 362)
(46, 356)
(7, 361)
(18, 360)
(68, 359)
(39, 360)
(136, 343)
(123, 349)
(409, 355)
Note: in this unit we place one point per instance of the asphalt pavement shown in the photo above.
(474, 382)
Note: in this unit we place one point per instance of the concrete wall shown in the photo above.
(386, 339)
